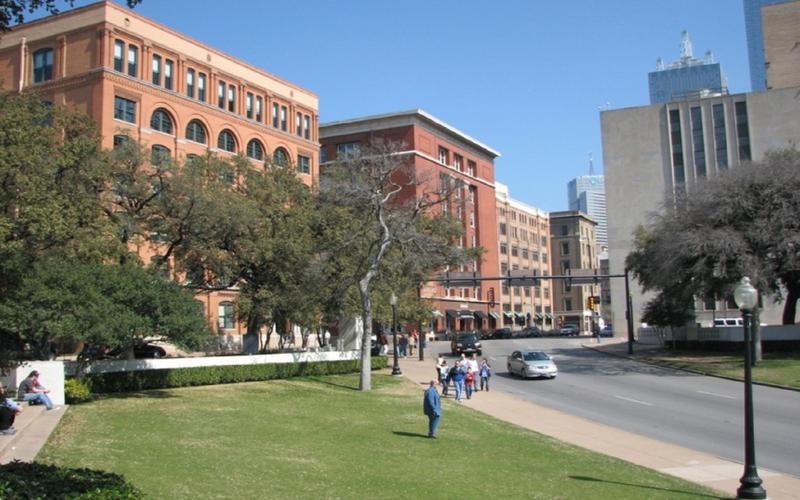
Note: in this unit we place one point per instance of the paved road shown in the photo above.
(701, 413)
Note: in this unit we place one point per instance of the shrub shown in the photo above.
(77, 391)
(212, 375)
(23, 480)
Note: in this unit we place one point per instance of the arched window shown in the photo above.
(226, 141)
(161, 121)
(280, 157)
(196, 132)
(225, 315)
(160, 155)
(42, 65)
(255, 150)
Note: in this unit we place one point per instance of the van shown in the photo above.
(724, 322)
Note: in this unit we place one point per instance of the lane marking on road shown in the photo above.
(716, 394)
(645, 403)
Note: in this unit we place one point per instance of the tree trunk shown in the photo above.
(790, 307)
(365, 381)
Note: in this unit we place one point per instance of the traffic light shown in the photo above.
(591, 302)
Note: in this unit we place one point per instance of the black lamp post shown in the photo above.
(746, 297)
(393, 302)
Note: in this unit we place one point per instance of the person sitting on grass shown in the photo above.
(34, 392)
(8, 412)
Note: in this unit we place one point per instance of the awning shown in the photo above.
(465, 314)
(494, 315)
(452, 313)
(436, 314)
(508, 314)
(539, 316)
(520, 315)
(479, 314)
(548, 315)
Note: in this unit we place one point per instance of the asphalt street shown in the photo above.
(694, 411)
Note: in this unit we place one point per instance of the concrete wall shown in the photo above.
(51, 375)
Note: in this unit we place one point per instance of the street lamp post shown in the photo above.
(393, 302)
(746, 297)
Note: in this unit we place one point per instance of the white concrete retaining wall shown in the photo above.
(126, 365)
(51, 375)
(733, 333)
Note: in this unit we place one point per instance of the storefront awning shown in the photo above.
(452, 313)
(548, 315)
(539, 316)
(508, 314)
(494, 315)
(466, 314)
(520, 315)
(436, 314)
(479, 314)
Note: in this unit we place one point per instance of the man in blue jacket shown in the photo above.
(432, 407)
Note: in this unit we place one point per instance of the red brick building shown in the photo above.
(438, 149)
(166, 90)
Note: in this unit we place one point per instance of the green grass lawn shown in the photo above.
(321, 438)
(776, 368)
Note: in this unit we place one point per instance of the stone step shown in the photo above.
(34, 426)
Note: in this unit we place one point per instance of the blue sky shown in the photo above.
(526, 77)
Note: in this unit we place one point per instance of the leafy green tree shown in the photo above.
(14, 11)
(379, 221)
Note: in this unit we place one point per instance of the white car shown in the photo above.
(531, 364)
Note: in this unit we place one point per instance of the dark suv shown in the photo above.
(466, 343)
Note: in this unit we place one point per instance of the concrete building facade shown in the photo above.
(523, 235)
(754, 29)
(573, 249)
(439, 151)
(653, 154)
(781, 28)
(138, 78)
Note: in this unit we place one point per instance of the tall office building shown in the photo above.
(755, 41)
(140, 79)
(781, 24)
(655, 154)
(442, 153)
(687, 77)
(587, 194)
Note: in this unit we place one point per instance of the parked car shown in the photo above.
(531, 364)
(466, 343)
(531, 331)
(500, 333)
(569, 329)
(607, 331)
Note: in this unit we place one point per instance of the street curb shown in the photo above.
(649, 361)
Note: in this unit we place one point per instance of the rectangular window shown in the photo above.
(201, 87)
(678, 173)
(298, 124)
(119, 49)
(231, 98)
(248, 104)
(42, 65)
(503, 229)
(564, 248)
(457, 161)
(275, 114)
(303, 164)
(471, 168)
(742, 131)
(347, 149)
(168, 74)
(698, 142)
(133, 61)
(284, 118)
(503, 249)
(190, 83)
(156, 69)
(444, 156)
(124, 109)
(307, 126)
(514, 251)
(720, 139)
(259, 108)
(221, 94)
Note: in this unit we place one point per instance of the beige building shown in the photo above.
(177, 96)
(574, 252)
(781, 28)
(522, 235)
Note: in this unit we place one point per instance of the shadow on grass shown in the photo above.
(326, 381)
(692, 494)
(410, 434)
(144, 394)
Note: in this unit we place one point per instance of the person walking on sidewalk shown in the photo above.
(443, 372)
(32, 390)
(457, 374)
(472, 363)
(432, 407)
(485, 373)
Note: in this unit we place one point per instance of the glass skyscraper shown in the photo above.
(755, 42)
(587, 194)
(686, 78)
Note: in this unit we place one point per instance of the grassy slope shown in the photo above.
(320, 438)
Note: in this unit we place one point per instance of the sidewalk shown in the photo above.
(701, 468)
(34, 426)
